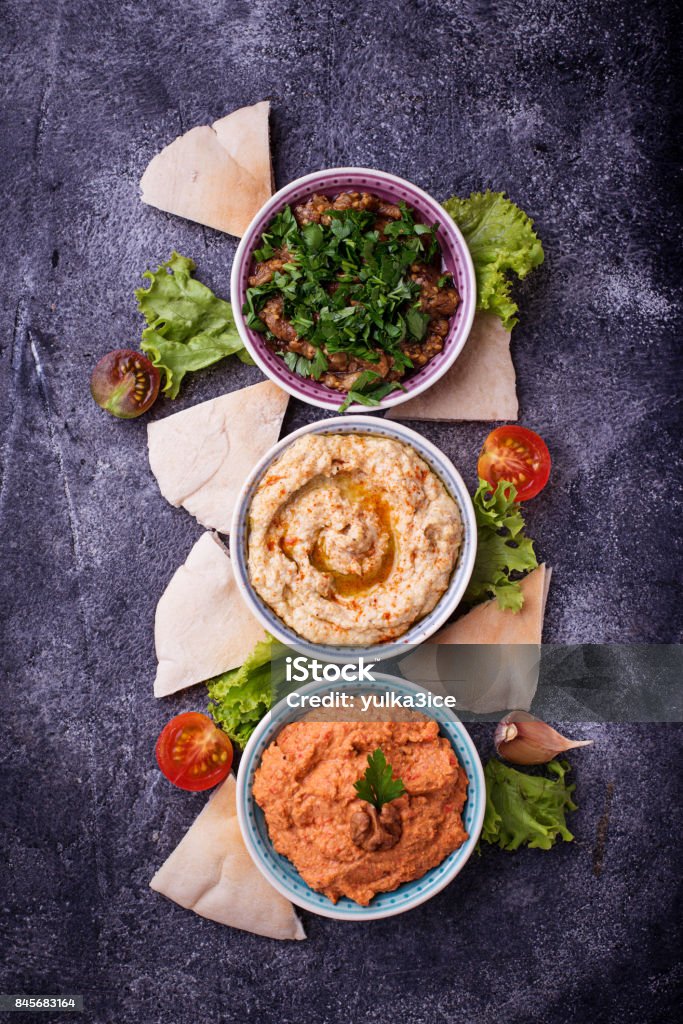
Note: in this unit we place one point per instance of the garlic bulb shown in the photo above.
(522, 739)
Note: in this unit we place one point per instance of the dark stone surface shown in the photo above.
(567, 106)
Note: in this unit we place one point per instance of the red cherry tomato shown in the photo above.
(518, 455)
(125, 383)
(192, 753)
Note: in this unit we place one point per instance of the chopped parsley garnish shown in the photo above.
(378, 786)
(306, 367)
(366, 392)
(346, 289)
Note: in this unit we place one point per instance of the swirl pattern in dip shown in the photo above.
(352, 538)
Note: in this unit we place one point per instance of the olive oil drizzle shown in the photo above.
(359, 496)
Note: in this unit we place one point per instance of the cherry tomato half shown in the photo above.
(125, 383)
(518, 455)
(192, 753)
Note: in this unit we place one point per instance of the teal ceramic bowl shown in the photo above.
(282, 874)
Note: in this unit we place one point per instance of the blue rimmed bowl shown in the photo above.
(420, 630)
(282, 874)
(456, 259)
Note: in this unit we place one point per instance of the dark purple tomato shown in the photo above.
(125, 383)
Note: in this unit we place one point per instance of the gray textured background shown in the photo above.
(567, 106)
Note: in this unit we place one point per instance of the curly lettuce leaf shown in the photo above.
(240, 698)
(502, 241)
(502, 547)
(526, 810)
(188, 327)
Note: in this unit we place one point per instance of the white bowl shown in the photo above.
(456, 259)
(420, 630)
(282, 874)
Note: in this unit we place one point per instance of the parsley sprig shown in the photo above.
(378, 786)
(365, 393)
(306, 367)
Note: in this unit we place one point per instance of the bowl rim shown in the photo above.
(448, 601)
(476, 791)
(287, 379)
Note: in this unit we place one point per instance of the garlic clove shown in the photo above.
(523, 739)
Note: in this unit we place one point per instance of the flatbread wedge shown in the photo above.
(202, 626)
(488, 623)
(479, 386)
(218, 175)
(489, 658)
(211, 873)
(202, 456)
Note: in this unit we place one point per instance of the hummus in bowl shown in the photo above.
(353, 533)
(297, 803)
(352, 538)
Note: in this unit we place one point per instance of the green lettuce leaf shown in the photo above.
(188, 327)
(526, 810)
(502, 547)
(240, 698)
(502, 241)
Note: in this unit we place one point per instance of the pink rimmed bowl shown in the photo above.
(456, 259)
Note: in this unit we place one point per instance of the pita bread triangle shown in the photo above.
(202, 627)
(482, 684)
(202, 455)
(480, 384)
(211, 873)
(488, 623)
(218, 175)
